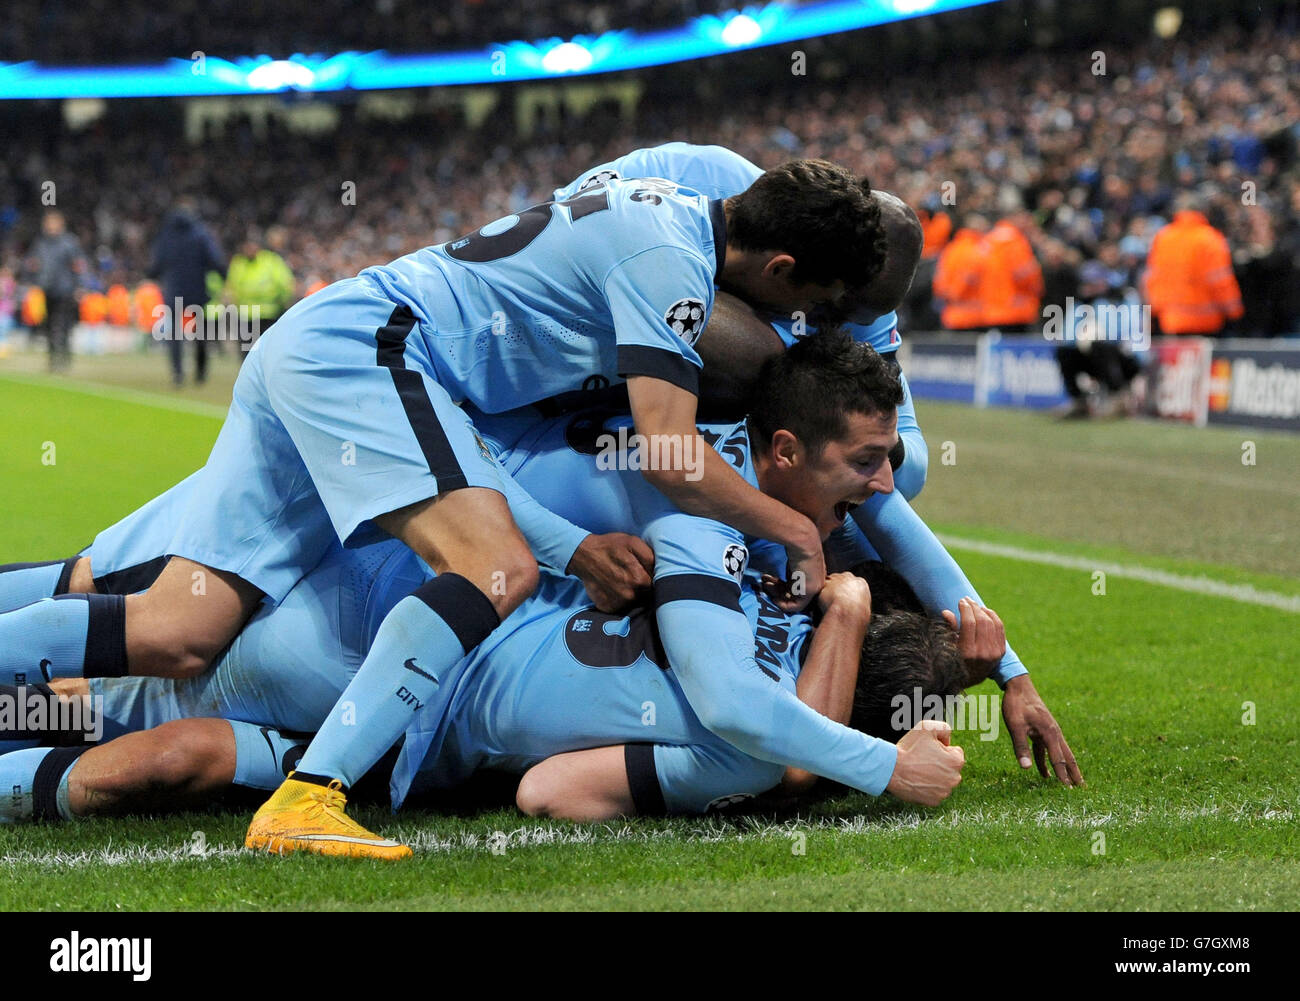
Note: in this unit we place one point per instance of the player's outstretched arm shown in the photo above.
(734, 700)
(1030, 722)
(906, 543)
(709, 488)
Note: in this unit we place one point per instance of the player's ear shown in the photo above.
(778, 267)
(787, 450)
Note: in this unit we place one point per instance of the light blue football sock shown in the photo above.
(425, 635)
(69, 636)
(23, 583)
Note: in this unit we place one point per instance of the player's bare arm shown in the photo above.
(830, 674)
(719, 492)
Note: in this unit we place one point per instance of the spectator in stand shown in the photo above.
(1189, 279)
(1060, 275)
(183, 254)
(1289, 245)
(259, 277)
(1265, 273)
(55, 265)
(1023, 130)
(1011, 281)
(958, 276)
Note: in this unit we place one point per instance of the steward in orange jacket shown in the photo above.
(957, 280)
(935, 230)
(1011, 282)
(1189, 279)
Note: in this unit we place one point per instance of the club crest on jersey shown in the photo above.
(734, 559)
(600, 177)
(686, 317)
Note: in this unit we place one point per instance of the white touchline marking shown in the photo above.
(1148, 575)
(704, 830)
(136, 396)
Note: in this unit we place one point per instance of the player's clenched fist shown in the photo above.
(928, 769)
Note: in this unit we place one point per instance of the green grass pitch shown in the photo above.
(1181, 706)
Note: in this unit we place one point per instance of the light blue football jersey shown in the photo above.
(562, 676)
(613, 282)
(717, 172)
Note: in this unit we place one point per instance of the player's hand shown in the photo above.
(615, 569)
(981, 640)
(928, 768)
(848, 594)
(806, 575)
(1028, 720)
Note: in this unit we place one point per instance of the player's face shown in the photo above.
(785, 297)
(772, 288)
(847, 471)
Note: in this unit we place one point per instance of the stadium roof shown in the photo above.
(206, 75)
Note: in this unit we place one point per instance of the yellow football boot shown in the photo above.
(305, 817)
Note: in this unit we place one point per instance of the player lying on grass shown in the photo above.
(731, 361)
(344, 425)
(883, 527)
(797, 385)
(559, 678)
(826, 451)
(845, 398)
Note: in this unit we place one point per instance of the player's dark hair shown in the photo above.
(819, 214)
(811, 388)
(905, 659)
(890, 591)
(905, 237)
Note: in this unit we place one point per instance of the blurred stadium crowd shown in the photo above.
(1085, 166)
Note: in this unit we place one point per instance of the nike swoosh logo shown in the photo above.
(45, 665)
(410, 666)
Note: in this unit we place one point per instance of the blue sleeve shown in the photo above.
(881, 334)
(910, 476)
(552, 539)
(906, 543)
(659, 300)
(710, 646)
(694, 778)
(847, 547)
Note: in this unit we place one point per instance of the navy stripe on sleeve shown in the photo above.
(698, 587)
(659, 363)
(643, 780)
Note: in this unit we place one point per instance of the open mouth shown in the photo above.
(842, 510)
